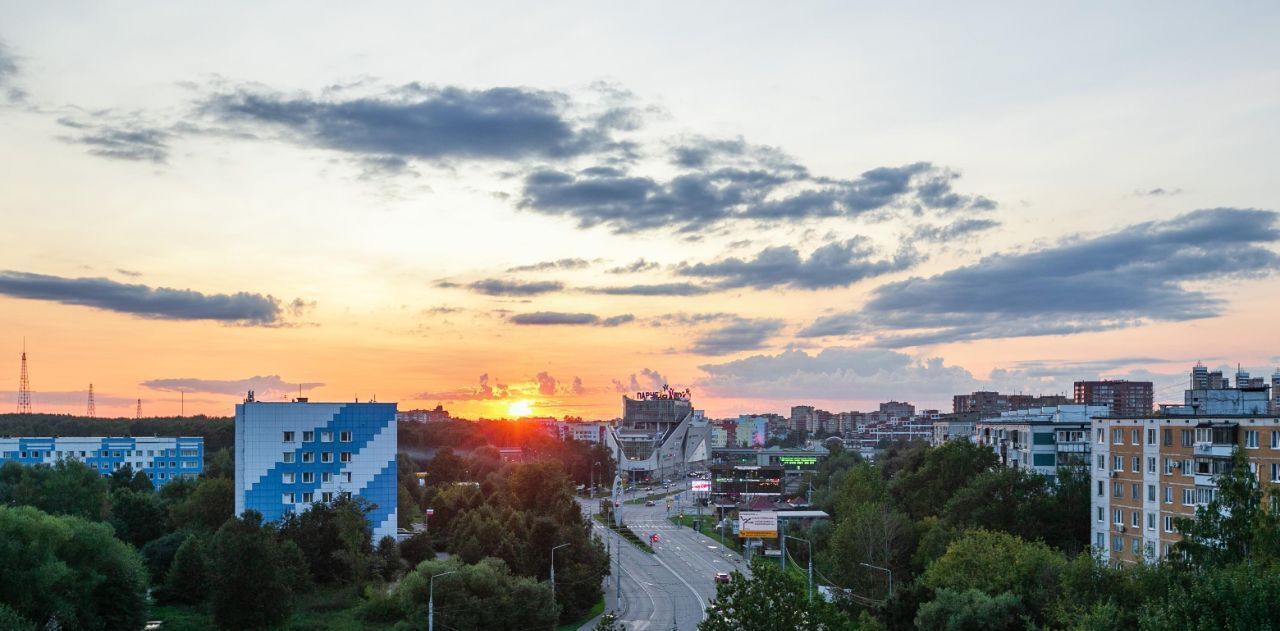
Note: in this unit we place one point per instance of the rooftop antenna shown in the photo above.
(24, 384)
(93, 409)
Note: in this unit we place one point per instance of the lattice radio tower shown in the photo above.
(24, 384)
(93, 409)
(138, 414)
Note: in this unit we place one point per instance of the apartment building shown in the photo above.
(1040, 439)
(163, 458)
(1148, 470)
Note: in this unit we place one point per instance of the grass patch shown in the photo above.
(324, 609)
(596, 610)
(626, 532)
(709, 529)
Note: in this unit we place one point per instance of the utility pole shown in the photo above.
(882, 569)
(553, 570)
(784, 560)
(431, 599)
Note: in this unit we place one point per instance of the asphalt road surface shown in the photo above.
(674, 584)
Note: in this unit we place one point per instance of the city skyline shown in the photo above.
(770, 210)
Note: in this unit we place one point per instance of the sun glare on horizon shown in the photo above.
(521, 408)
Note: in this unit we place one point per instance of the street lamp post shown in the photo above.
(882, 569)
(553, 569)
(593, 479)
(431, 599)
(784, 560)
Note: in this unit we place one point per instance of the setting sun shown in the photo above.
(521, 408)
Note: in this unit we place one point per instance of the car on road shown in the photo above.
(722, 577)
(649, 503)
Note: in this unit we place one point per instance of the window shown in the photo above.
(116, 454)
(1117, 489)
(1151, 436)
(1101, 492)
(308, 477)
(288, 437)
(1151, 464)
(1168, 523)
(308, 437)
(326, 477)
(308, 497)
(1101, 436)
(1188, 438)
(161, 464)
(1135, 464)
(326, 437)
(346, 476)
(326, 496)
(344, 457)
(1168, 495)
(287, 457)
(1101, 517)
(1133, 491)
(288, 498)
(1251, 439)
(1275, 440)
(1099, 540)
(1187, 468)
(1188, 497)
(1102, 462)
(326, 456)
(1151, 521)
(1275, 472)
(187, 453)
(344, 437)
(1135, 437)
(1118, 517)
(161, 476)
(286, 478)
(1119, 463)
(1135, 519)
(1117, 436)
(1167, 435)
(308, 456)
(190, 464)
(1135, 544)
(1151, 492)
(1117, 543)
(1168, 466)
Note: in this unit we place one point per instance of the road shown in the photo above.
(676, 582)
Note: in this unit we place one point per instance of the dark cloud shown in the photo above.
(660, 289)
(732, 182)
(546, 266)
(263, 386)
(108, 135)
(128, 272)
(691, 319)
(484, 392)
(832, 265)
(554, 318)
(647, 380)
(959, 230)
(496, 287)
(8, 73)
(741, 334)
(634, 267)
(1125, 278)
(546, 384)
(141, 300)
(1158, 192)
(425, 122)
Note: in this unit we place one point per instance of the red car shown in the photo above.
(722, 577)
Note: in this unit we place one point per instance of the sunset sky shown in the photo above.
(771, 204)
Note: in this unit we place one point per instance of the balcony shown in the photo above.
(1206, 480)
(1214, 450)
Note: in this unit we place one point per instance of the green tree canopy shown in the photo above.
(253, 577)
(767, 601)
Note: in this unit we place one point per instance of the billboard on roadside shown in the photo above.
(700, 486)
(758, 525)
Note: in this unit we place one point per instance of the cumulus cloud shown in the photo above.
(485, 391)
(496, 287)
(1159, 191)
(559, 318)
(546, 266)
(832, 265)
(432, 123)
(647, 380)
(141, 300)
(724, 181)
(657, 289)
(263, 386)
(546, 384)
(959, 230)
(1120, 279)
(108, 135)
(740, 334)
(634, 267)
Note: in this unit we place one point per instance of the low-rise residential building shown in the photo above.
(163, 458)
(1040, 439)
(955, 426)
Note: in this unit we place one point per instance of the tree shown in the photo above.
(485, 595)
(969, 610)
(1234, 526)
(608, 622)
(137, 516)
(942, 471)
(188, 577)
(11, 620)
(69, 571)
(158, 554)
(245, 548)
(767, 601)
(417, 548)
(208, 505)
(68, 487)
(875, 534)
(997, 562)
(387, 556)
(334, 539)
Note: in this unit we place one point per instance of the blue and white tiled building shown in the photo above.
(163, 458)
(290, 455)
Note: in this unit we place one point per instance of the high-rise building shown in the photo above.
(1211, 393)
(291, 455)
(1122, 398)
(163, 458)
(660, 435)
(1275, 392)
(802, 418)
(988, 404)
(898, 409)
(1149, 470)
